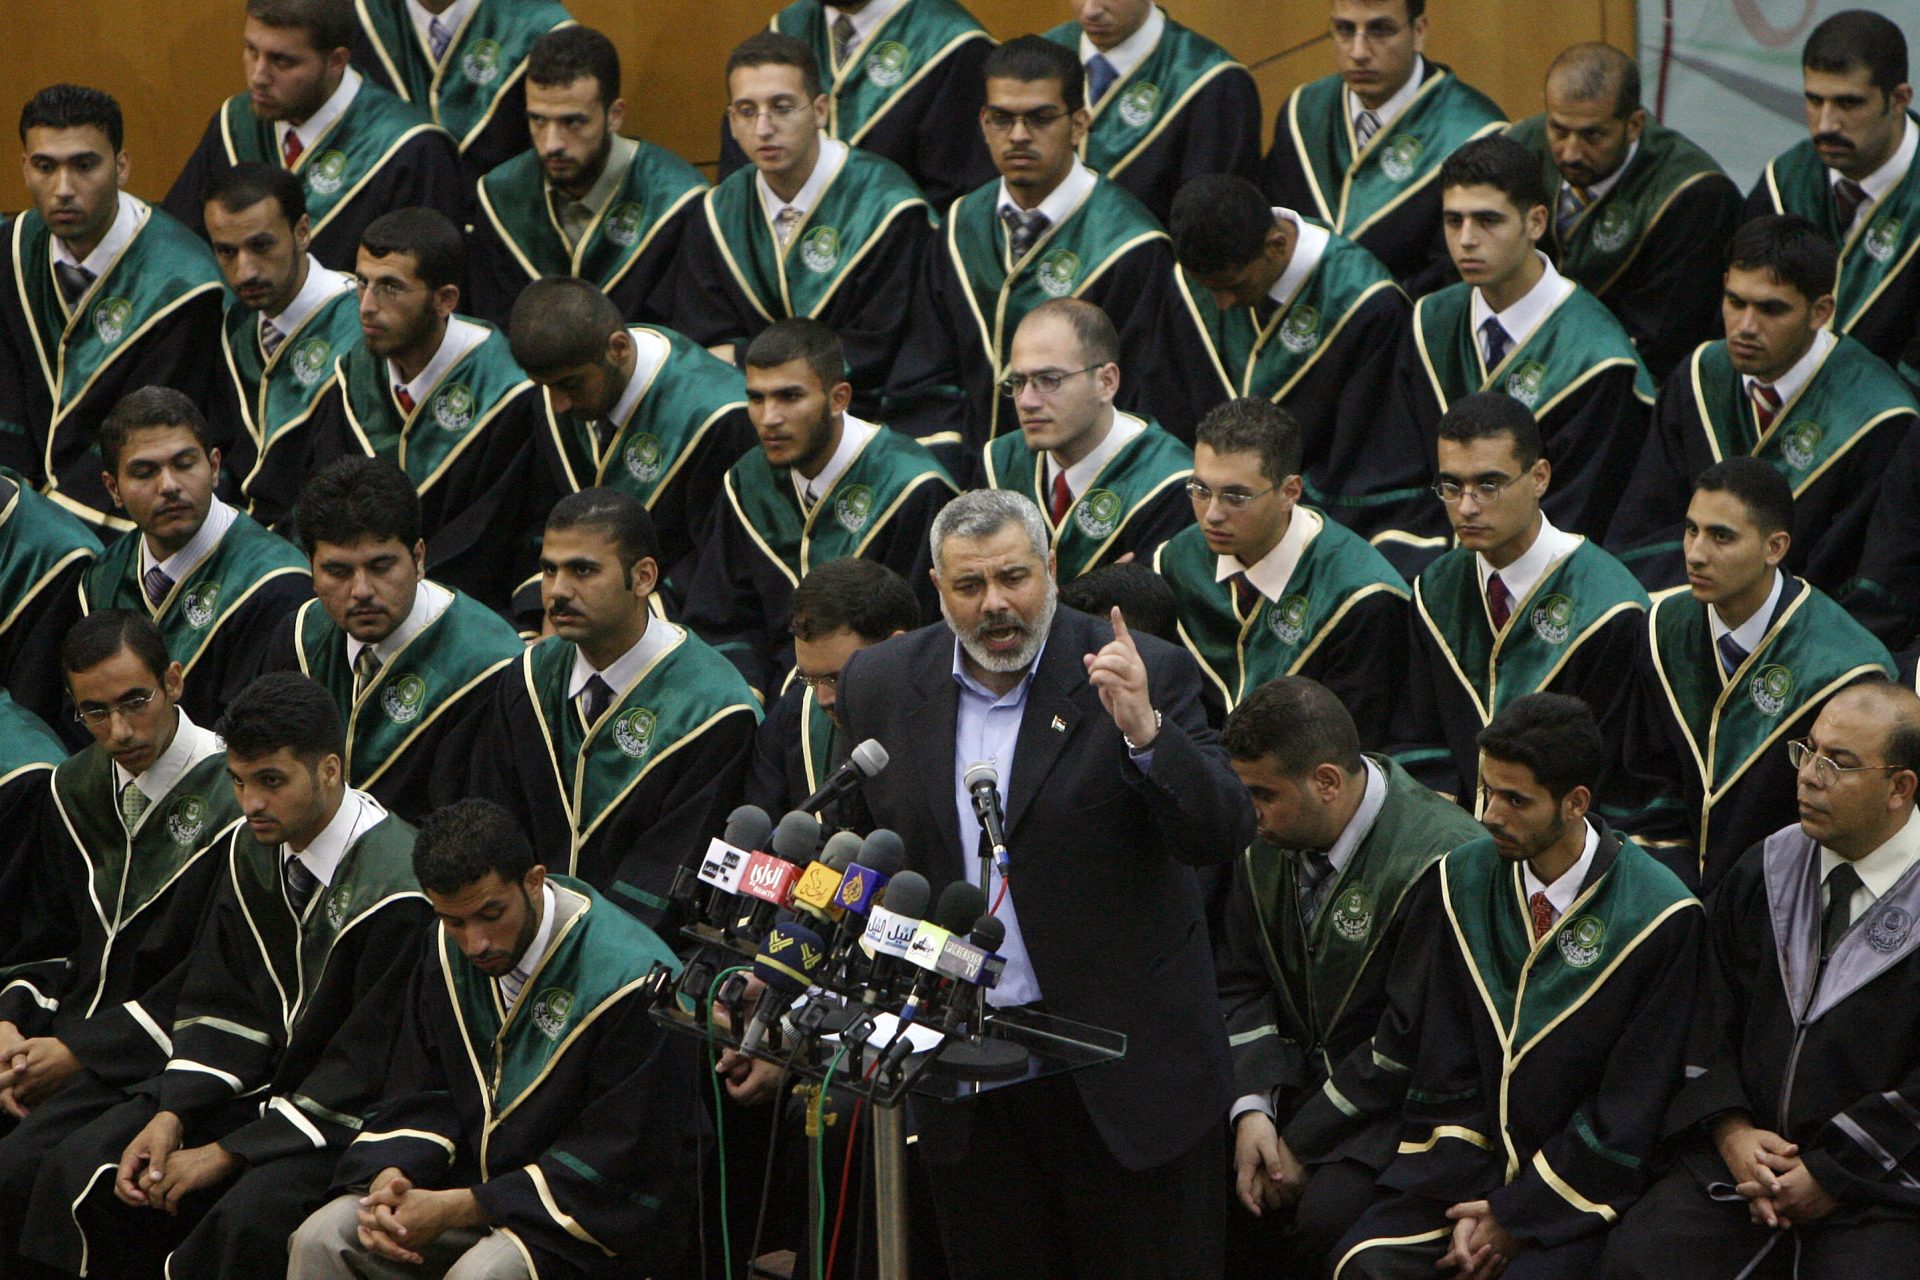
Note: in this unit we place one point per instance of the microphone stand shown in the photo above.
(890, 1186)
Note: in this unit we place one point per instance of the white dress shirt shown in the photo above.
(220, 518)
(1749, 633)
(1566, 887)
(1390, 110)
(315, 126)
(191, 744)
(1525, 315)
(515, 981)
(322, 285)
(461, 337)
(1066, 198)
(430, 600)
(650, 352)
(1879, 870)
(854, 435)
(358, 812)
(833, 154)
(1595, 190)
(1081, 474)
(1789, 384)
(1132, 51)
(1309, 246)
(126, 222)
(624, 671)
(1884, 179)
(1549, 547)
(1271, 572)
(450, 21)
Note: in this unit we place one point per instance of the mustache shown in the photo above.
(1832, 140)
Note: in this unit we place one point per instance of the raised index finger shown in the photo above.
(1120, 631)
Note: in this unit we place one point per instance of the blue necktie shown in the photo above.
(1100, 77)
(1731, 654)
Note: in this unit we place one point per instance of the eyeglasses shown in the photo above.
(1827, 771)
(1486, 492)
(1231, 499)
(131, 705)
(385, 290)
(1377, 31)
(1036, 121)
(1045, 383)
(820, 684)
(779, 112)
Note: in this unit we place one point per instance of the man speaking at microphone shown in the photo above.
(1109, 780)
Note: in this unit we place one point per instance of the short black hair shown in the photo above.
(1790, 249)
(459, 844)
(105, 632)
(800, 338)
(1485, 415)
(561, 322)
(855, 594)
(775, 49)
(246, 184)
(329, 24)
(1248, 424)
(1297, 721)
(1220, 222)
(617, 516)
(1144, 597)
(283, 709)
(1594, 71)
(1499, 162)
(1554, 735)
(1762, 490)
(565, 54)
(74, 106)
(357, 497)
(1032, 58)
(439, 250)
(1856, 38)
(150, 407)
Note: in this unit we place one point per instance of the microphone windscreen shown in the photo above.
(907, 895)
(841, 849)
(960, 905)
(982, 771)
(988, 933)
(748, 827)
(869, 757)
(883, 851)
(797, 836)
(789, 958)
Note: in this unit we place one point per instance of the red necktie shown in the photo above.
(1766, 403)
(405, 398)
(291, 148)
(1499, 601)
(1062, 497)
(1542, 915)
(1246, 596)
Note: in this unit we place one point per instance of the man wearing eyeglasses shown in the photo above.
(1360, 149)
(88, 978)
(1802, 1081)
(1742, 662)
(1517, 607)
(1267, 586)
(1109, 482)
(813, 227)
(1049, 228)
(439, 395)
(823, 484)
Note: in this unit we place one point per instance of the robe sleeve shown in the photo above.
(1853, 490)
(1715, 1082)
(1165, 514)
(225, 1039)
(723, 604)
(427, 172)
(1884, 595)
(1674, 304)
(697, 492)
(1663, 821)
(708, 307)
(1264, 1057)
(1421, 744)
(1363, 662)
(1592, 439)
(186, 199)
(416, 1127)
(41, 928)
(773, 743)
(1866, 1155)
(1645, 529)
(872, 307)
(950, 153)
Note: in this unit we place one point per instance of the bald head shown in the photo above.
(1596, 73)
(1894, 709)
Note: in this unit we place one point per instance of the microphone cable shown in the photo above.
(719, 1112)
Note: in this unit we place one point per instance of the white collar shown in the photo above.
(220, 518)
(620, 154)
(1066, 197)
(357, 813)
(462, 336)
(322, 285)
(1549, 547)
(864, 22)
(1390, 110)
(624, 671)
(854, 435)
(1080, 475)
(1309, 245)
(1749, 634)
(833, 154)
(430, 600)
(1132, 51)
(1562, 892)
(191, 744)
(1881, 869)
(451, 21)
(126, 223)
(1275, 569)
(1889, 175)
(315, 126)
(1597, 189)
(1789, 384)
(1372, 800)
(1524, 316)
(536, 950)
(650, 352)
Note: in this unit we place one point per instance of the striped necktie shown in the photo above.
(1731, 654)
(1848, 196)
(1573, 203)
(365, 668)
(783, 224)
(156, 584)
(270, 337)
(1499, 602)
(1542, 912)
(844, 36)
(1498, 342)
(1023, 229)
(301, 884)
(74, 282)
(439, 35)
(1766, 403)
(133, 803)
(1365, 125)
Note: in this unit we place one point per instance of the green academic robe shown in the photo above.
(43, 552)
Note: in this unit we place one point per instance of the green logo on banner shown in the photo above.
(643, 458)
(1287, 619)
(404, 698)
(1800, 444)
(1057, 272)
(1524, 383)
(623, 223)
(309, 360)
(1612, 229)
(111, 316)
(1353, 915)
(1300, 331)
(1770, 689)
(1882, 237)
(186, 819)
(550, 1009)
(453, 407)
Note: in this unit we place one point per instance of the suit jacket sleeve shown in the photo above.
(1199, 808)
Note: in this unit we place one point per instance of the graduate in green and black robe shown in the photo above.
(29, 751)
(469, 74)
(1168, 105)
(43, 553)
(1382, 195)
(905, 87)
(1884, 595)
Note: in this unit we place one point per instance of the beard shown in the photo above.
(1033, 635)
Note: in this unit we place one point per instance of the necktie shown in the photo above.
(300, 884)
(1848, 196)
(843, 37)
(1264, 311)
(1542, 912)
(783, 224)
(1246, 596)
(511, 985)
(1573, 202)
(1023, 229)
(156, 584)
(1316, 869)
(1062, 497)
(1499, 602)
(291, 147)
(74, 282)
(808, 497)
(1365, 125)
(1766, 403)
(439, 35)
(1100, 77)
(405, 397)
(1731, 654)
(133, 803)
(1498, 343)
(270, 337)
(1842, 881)
(365, 668)
(598, 694)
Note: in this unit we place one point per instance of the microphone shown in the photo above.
(815, 891)
(770, 876)
(972, 959)
(983, 781)
(862, 763)
(788, 959)
(890, 929)
(726, 862)
(960, 904)
(882, 854)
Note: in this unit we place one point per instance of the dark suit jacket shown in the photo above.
(1111, 916)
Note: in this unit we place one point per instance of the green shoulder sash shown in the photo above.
(375, 125)
(26, 743)
(817, 734)
(907, 45)
(856, 207)
(1576, 342)
(1875, 250)
(39, 540)
(889, 468)
(1139, 106)
(448, 419)
(486, 58)
(277, 393)
(426, 677)
(1143, 469)
(206, 596)
(1356, 188)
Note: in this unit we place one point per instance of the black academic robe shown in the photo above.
(1884, 595)
(777, 770)
(44, 552)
